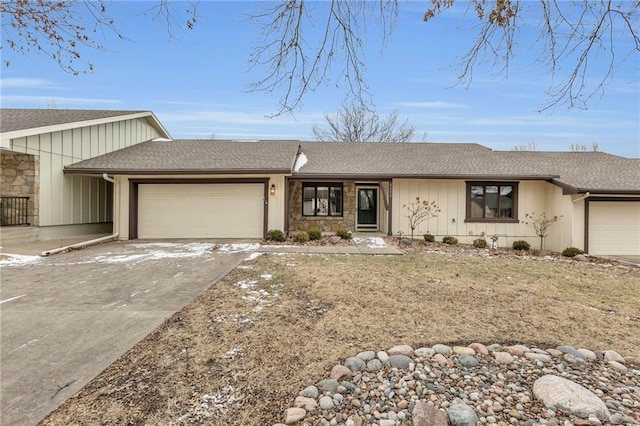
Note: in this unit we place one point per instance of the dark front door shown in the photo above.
(367, 208)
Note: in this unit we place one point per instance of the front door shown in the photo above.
(367, 205)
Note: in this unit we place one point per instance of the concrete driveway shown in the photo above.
(65, 318)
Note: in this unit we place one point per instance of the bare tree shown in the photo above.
(529, 146)
(573, 34)
(577, 147)
(62, 29)
(357, 123)
(308, 44)
(418, 211)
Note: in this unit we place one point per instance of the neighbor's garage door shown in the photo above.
(614, 227)
(234, 210)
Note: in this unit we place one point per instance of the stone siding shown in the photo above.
(19, 178)
(347, 221)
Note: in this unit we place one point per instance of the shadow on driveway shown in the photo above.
(65, 318)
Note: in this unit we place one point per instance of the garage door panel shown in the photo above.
(200, 210)
(614, 228)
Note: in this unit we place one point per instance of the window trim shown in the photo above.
(330, 186)
(484, 184)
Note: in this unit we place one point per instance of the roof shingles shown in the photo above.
(584, 171)
(14, 119)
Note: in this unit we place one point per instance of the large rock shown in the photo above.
(309, 404)
(328, 385)
(354, 364)
(400, 361)
(569, 397)
(405, 350)
(293, 415)
(340, 372)
(462, 415)
(426, 414)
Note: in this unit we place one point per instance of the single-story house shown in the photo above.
(166, 188)
(37, 200)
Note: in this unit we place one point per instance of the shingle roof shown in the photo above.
(194, 156)
(14, 119)
(576, 171)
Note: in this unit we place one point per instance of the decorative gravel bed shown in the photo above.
(471, 385)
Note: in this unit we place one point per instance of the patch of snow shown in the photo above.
(266, 277)
(277, 246)
(17, 259)
(253, 256)
(155, 252)
(371, 242)
(244, 267)
(11, 298)
(211, 403)
(300, 161)
(246, 284)
(233, 352)
(238, 247)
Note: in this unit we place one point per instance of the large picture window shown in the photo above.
(492, 201)
(321, 199)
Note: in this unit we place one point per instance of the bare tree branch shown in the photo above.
(61, 30)
(357, 123)
(299, 58)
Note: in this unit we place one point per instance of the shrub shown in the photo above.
(275, 235)
(450, 240)
(301, 237)
(314, 234)
(480, 243)
(343, 233)
(429, 238)
(521, 245)
(571, 251)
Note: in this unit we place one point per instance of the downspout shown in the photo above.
(585, 231)
(116, 203)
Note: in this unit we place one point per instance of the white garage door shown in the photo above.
(614, 227)
(234, 210)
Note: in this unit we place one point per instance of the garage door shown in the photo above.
(234, 210)
(614, 227)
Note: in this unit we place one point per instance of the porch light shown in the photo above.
(272, 190)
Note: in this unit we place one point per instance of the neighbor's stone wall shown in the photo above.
(347, 221)
(19, 174)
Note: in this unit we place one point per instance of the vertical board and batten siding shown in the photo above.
(450, 196)
(73, 200)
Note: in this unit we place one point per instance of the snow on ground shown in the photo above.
(157, 251)
(7, 259)
(253, 256)
(371, 242)
(238, 247)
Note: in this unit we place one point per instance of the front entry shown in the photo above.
(367, 208)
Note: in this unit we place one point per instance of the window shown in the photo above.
(492, 202)
(319, 199)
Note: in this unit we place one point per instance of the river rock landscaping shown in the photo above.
(475, 384)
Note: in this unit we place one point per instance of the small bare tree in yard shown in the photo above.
(418, 211)
(541, 223)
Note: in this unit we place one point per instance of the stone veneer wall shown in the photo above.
(347, 221)
(19, 178)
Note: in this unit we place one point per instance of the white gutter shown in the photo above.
(586, 195)
(95, 241)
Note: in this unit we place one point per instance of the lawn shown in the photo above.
(278, 323)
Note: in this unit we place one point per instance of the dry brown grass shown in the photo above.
(331, 307)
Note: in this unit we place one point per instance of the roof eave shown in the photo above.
(137, 172)
(74, 124)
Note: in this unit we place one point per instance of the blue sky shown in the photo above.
(197, 84)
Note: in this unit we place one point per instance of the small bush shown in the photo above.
(450, 240)
(275, 235)
(314, 234)
(572, 251)
(429, 238)
(343, 233)
(521, 245)
(301, 237)
(480, 243)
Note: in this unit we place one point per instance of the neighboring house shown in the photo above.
(235, 189)
(35, 147)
